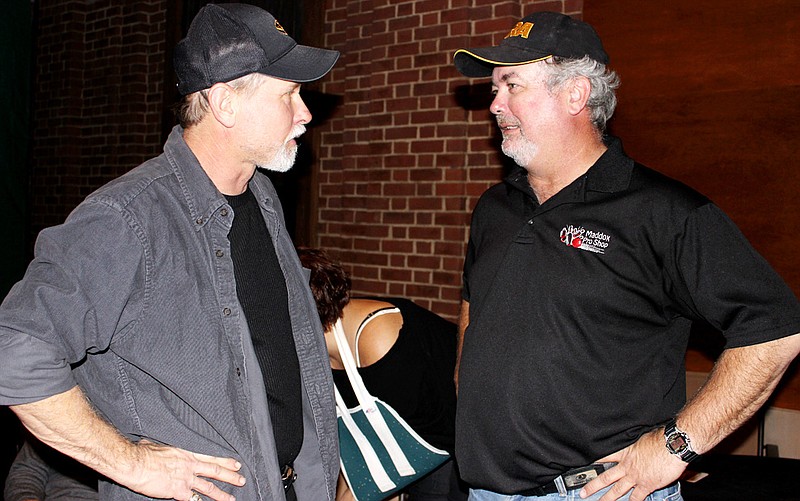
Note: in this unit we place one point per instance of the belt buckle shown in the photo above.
(288, 476)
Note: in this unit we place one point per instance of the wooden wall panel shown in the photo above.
(711, 96)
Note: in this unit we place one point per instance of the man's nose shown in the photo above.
(498, 105)
(301, 114)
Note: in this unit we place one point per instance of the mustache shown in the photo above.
(504, 121)
(297, 131)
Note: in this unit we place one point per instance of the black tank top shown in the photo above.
(415, 376)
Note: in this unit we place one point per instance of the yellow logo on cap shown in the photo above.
(280, 28)
(520, 30)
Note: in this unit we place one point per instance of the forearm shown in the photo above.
(68, 423)
(463, 322)
(741, 381)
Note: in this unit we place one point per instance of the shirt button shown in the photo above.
(530, 221)
(223, 212)
(199, 220)
(226, 312)
(219, 253)
(238, 372)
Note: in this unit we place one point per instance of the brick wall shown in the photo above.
(97, 97)
(405, 158)
(400, 164)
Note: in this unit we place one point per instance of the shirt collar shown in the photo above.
(612, 171)
(202, 197)
(609, 174)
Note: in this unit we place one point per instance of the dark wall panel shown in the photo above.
(711, 96)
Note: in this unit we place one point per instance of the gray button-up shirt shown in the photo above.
(134, 299)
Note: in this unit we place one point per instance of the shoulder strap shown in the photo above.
(350, 368)
(368, 319)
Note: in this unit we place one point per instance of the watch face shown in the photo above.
(677, 443)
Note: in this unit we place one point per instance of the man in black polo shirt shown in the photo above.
(583, 275)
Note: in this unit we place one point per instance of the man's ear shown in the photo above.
(222, 101)
(578, 95)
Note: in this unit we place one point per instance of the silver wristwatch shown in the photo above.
(678, 442)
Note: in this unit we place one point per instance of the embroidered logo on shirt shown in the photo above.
(588, 240)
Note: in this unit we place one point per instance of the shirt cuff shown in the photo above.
(31, 370)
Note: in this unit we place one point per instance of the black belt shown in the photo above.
(288, 476)
(570, 480)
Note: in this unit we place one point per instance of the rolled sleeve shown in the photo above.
(79, 291)
(33, 370)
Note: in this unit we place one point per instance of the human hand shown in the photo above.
(167, 472)
(644, 466)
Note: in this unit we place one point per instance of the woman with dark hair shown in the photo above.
(406, 357)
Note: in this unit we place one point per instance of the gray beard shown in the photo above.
(522, 153)
(282, 161)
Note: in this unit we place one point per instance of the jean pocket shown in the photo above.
(674, 496)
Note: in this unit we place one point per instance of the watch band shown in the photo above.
(678, 442)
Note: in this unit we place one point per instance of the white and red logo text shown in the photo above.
(579, 237)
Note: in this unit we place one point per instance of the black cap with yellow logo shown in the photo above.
(535, 38)
(228, 41)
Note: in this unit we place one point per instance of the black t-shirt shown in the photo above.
(415, 376)
(580, 310)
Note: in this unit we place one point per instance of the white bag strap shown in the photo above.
(368, 404)
(372, 316)
(376, 469)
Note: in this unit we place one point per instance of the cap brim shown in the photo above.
(481, 62)
(303, 64)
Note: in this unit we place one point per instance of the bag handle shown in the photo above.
(368, 404)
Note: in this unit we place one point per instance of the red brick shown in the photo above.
(400, 161)
(427, 117)
(395, 275)
(400, 23)
(555, 5)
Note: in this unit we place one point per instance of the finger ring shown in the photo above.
(195, 497)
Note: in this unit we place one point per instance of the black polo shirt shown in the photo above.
(580, 311)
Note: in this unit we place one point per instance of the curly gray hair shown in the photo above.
(604, 82)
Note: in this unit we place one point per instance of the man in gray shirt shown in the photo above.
(143, 341)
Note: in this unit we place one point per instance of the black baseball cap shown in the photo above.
(228, 41)
(535, 38)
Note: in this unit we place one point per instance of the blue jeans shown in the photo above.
(671, 493)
